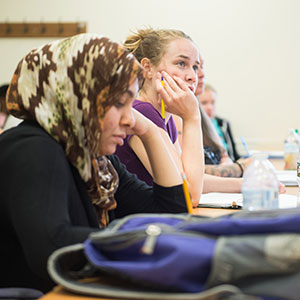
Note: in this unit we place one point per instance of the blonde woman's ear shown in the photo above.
(146, 63)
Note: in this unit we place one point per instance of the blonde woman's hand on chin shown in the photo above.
(178, 96)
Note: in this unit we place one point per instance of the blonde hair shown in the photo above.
(152, 44)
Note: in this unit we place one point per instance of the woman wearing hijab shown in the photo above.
(62, 183)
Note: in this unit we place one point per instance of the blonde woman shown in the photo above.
(174, 55)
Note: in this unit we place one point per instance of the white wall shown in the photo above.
(251, 50)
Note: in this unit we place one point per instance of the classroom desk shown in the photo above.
(214, 212)
(58, 293)
(279, 164)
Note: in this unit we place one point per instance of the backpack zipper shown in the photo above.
(152, 231)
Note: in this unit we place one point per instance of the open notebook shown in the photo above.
(235, 200)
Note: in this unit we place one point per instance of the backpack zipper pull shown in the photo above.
(152, 231)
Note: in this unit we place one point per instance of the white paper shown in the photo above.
(226, 199)
(222, 199)
(287, 177)
(271, 154)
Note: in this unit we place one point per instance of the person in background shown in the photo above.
(217, 160)
(61, 180)
(207, 100)
(6, 120)
(174, 55)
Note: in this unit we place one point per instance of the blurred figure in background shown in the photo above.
(207, 100)
(217, 160)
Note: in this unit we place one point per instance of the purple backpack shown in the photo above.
(167, 256)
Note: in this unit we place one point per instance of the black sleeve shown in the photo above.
(135, 196)
(43, 203)
(226, 130)
(235, 153)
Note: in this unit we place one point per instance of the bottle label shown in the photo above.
(291, 148)
(298, 173)
(290, 160)
(260, 199)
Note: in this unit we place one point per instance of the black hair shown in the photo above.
(3, 90)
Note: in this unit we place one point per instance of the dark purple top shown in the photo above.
(127, 155)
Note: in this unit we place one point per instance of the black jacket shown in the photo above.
(225, 128)
(44, 204)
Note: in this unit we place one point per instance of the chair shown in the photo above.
(16, 293)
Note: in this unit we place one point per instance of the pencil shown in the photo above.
(162, 100)
(245, 146)
(187, 195)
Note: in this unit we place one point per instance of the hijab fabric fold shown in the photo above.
(67, 86)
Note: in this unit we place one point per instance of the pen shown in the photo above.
(212, 205)
(245, 146)
(187, 195)
(162, 100)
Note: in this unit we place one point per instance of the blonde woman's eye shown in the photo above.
(181, 63)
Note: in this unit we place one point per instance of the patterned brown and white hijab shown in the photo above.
(67, 86)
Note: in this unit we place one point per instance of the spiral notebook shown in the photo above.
(235, 200)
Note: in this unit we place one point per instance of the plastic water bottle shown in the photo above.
(297, 135)
(291, 150)
(298, 178)
(260, 185)
(298, 170)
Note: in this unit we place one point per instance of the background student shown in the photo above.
(217, 160)
(207, 100)
(61, 182)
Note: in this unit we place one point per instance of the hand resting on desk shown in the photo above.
(282, 188)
